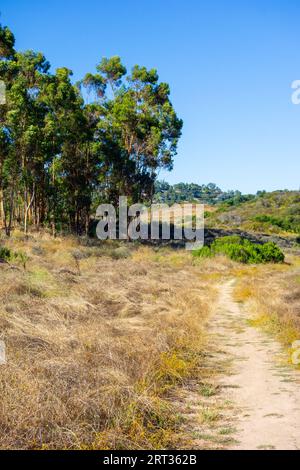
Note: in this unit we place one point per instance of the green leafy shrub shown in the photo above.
(22, 257)
(230, 239)
(242, 250)
(204, 252)
(5, 253)
(289, 223)
(271, 253)
(19, 256)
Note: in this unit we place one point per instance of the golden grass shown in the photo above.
(96, 341)
(101, 336)
(272, 292)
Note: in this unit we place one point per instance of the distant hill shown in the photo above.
(191, 192)
(277, 212)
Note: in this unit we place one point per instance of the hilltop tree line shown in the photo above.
(65, 147)
(191, 192)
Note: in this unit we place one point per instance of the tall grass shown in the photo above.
(273, 295)
(96, 344)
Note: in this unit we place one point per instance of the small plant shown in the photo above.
(5, 254)
(209, 415)
(21, 257)
(207, 390)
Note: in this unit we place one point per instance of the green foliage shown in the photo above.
(290, 223)
(61, 156)
(7, 42)
(204, 252)
(5, 253)
(273, 212)
(237, 199)
(205, 193)
(14, 256)
(19, 256)
(180, 192)
(242, 250)
(230, 239)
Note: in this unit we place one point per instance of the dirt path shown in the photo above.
(263, 389)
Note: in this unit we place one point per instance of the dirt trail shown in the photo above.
(264, 390)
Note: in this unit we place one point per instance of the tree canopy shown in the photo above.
(66, 147)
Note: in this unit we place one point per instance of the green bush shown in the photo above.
(242, 250)
(204, 252)
(5, 253)
(230, 239)
(19, 256)
(289, 223)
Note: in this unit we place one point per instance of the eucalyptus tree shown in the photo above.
(58, 150)
(138, 128)
(7, 52)
(7, 42)
(24, 125)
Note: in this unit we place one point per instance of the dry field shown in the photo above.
(109, 345)
(97, 339)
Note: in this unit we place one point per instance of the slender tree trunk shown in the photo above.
(27, 209)
(10, 217)
(2, 215)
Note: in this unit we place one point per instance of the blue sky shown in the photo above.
(230, 65)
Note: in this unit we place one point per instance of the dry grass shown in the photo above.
(97, 338)
(273, 294)
(102, 338)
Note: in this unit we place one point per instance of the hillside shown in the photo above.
(275, 214)
(272, 213)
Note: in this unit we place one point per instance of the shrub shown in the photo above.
(204, 252)
(5, 254)
(19, 257)
(271, 253)
(242, 250)
(120, 253)
(290, 223)
(230, 239)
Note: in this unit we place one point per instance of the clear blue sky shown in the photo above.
(230, 65)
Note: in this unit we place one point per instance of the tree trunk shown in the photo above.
(27, 209)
